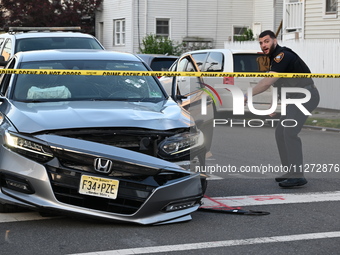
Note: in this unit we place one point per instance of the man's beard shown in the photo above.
(271, 50)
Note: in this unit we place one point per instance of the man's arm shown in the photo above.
(263, 85)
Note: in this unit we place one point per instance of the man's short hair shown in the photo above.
(268, 32)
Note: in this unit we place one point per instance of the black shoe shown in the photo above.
(282, 178)
(293, 182)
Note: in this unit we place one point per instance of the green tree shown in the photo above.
(42, 13)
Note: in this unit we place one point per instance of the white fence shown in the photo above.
(322, 56)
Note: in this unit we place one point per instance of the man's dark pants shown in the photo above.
(287, 139)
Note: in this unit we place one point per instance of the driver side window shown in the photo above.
(187, 84)
(5, 78)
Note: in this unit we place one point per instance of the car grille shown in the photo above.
(140, 140)
(136, 183)
(65, 185)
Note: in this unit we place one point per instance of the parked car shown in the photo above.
(41, 38)
(102, 146)
(158, 62)
(225, 60)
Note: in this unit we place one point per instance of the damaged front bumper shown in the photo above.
(150, 190)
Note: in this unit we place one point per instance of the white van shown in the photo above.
(228, 60)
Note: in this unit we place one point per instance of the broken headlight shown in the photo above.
(181, 145)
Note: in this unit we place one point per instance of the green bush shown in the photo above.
(152, 44)
(248, 35)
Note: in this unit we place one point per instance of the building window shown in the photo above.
(240, 33)
(119, 32)
(162, 27)
(331, 6)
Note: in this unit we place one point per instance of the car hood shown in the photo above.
(36, 117)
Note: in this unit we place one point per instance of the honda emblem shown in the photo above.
(102, 165)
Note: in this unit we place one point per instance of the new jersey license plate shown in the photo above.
(99, 187)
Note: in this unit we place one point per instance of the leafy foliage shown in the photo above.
(248, 35)
(41, 13)
(151, 44)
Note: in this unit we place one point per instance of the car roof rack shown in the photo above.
(43, 29)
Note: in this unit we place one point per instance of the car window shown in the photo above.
(214, 62)
(185, 66)
(247, 62)
(30, 87)
(187, 85)
(6, 52)
(162, 64)
(199, 59)
(5, 78)
(1, 41)
(44, 43)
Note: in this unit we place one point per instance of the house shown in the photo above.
(122, 24)
(312, 19)
(306, 27)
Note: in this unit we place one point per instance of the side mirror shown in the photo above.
(175, 95)
(177, 98)
(3, 62)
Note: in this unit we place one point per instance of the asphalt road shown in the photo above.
(308, 225)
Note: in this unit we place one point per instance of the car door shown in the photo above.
(190, 93)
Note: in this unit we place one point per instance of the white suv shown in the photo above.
(42, 38)
(226, 60)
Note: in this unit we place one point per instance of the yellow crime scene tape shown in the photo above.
(160, 73)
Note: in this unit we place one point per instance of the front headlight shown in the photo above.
(180, 145)
(28, 148)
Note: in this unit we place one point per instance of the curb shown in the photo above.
(323, 128)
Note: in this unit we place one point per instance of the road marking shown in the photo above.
(213, 202)
(217, 244)
(211, 177)
(273, 199)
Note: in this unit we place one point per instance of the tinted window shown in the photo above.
(248, 62)
(214, 62)
(199, 59)
(30, 87)
(56, 43)
(162, 64)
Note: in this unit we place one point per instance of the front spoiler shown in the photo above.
(145, 215)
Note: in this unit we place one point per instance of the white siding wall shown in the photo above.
(245, 7)
(316, 25)
(321, 56)
(188, 18)
(117, 9)
(264, 14)
(174, 10)
(268, 14)
(278, 14)
(204, 23)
